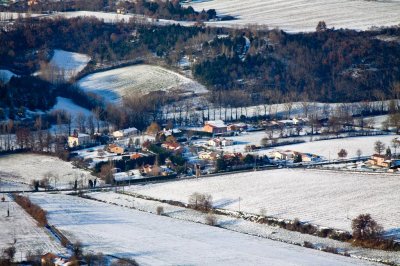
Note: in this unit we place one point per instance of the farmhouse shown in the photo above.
(308, 157)
(383, 161)
(172, 146)
(215, 127)
(237, 127)
(125, 132)
(209, 156)
(135, 156)
(284, 155)
(114, 148)
(78, 139)
(218, 142)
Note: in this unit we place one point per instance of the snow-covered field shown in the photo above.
(330, 148)
(114, 84)
(321, 197)
(69, 62)
(69, 106)
(159, 240)
(24, 230)
(5, 75)
(304, 15)
(23, 168)
(115, 18)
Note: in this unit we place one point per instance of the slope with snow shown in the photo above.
(321, 197)
(5, 75)
(22, 229)
(304, 15)
(136, 79)
(157, 240)
(23, 168)
(69, 62)
(69, 106)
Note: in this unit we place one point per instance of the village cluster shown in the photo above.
(215, 147)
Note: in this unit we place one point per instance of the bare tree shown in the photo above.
(342, 153)
(379, 146)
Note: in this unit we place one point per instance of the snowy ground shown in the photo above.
(321, 197)
(114, 17)
(5, 75)
(303, 15)
(23, 228)
(330, 148)
(114, 84)
(23, 168)
(71, 63)
(69, 106)
(130, 200)
(159, 240)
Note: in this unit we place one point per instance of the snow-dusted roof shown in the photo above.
(216, 123)
(131, 174)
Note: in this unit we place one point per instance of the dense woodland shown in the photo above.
(159, 9)
(241, 67)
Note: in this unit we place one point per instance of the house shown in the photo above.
(171, 132)
(135, 156)
(78, 139)
(56, 260)
(165, 170)
(218, 142)
(237, 127)
(172, 146)
(209, 156)
(284, 155)
(383, 161)
(122, 11)
(232, 156)
(308, 157)
(114, 148)
(32, 2)
(154, 170)
(299, 121)
(215, 127)
(125, 132)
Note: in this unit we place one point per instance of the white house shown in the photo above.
(125, 132)
(218, 142)
(78, 140)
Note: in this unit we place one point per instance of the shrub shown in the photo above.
(211, 219)
(34, 210)
(365, 228)
(330, 250)
(308, 244)
(160, 210)
(201, 202)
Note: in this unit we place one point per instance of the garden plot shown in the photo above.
(23, 229)
(137, 79)
(23, 168)
(159, 240)
(324, 198)
(303, 15)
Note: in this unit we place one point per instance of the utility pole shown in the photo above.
(239, 203)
